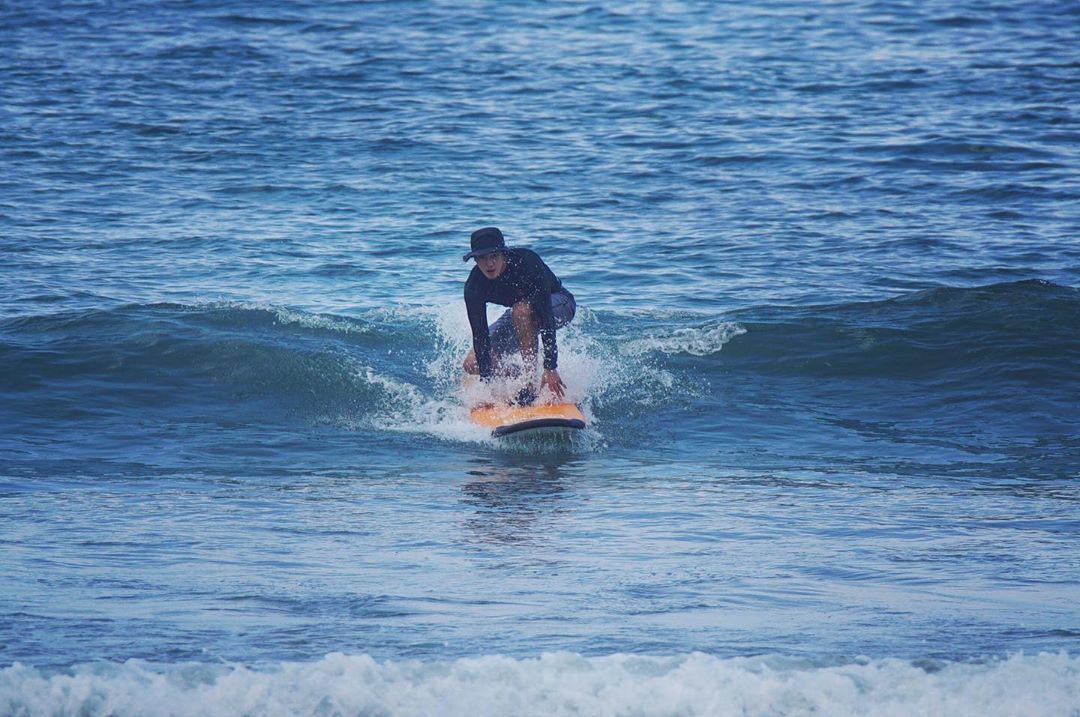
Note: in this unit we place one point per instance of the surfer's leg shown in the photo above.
(517, 331)
(526, 325)
(504, 342)
(563, 308)
(505, 336)
(524, 318)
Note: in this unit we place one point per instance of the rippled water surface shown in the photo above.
(826, 257)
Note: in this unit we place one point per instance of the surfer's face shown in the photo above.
(492, 264)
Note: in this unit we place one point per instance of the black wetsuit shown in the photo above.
(526, 278)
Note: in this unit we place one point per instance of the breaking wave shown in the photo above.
(550, 685)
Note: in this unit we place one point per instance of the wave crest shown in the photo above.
(552, 684)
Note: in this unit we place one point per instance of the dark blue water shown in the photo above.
(829, 345)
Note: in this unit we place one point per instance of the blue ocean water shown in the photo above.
(827, 266)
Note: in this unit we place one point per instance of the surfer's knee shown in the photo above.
(522, 311)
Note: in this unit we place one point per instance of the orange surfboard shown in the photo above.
(504, 420)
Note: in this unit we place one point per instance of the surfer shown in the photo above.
(538, 305)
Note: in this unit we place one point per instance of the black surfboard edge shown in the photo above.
(538, 423)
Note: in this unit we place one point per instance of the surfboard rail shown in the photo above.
(504, 420)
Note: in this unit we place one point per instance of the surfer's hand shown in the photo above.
(553, 383)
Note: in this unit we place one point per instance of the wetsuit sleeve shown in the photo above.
(476, 307)
(541, 302)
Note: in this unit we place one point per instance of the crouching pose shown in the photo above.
(538, 305)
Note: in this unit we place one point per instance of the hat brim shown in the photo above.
(482, 252)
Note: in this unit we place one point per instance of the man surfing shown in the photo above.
(538, 305)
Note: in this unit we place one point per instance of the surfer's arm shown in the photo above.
(476, 307)
(541, 303)
(550, 378)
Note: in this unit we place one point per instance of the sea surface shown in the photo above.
(827, 259)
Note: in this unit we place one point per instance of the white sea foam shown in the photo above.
(595, 374)
(284, 315)
(317, 321)
(696, 341)
(443, 412)
(552, 685)
(598, 375)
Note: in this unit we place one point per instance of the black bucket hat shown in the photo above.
(485, 241)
